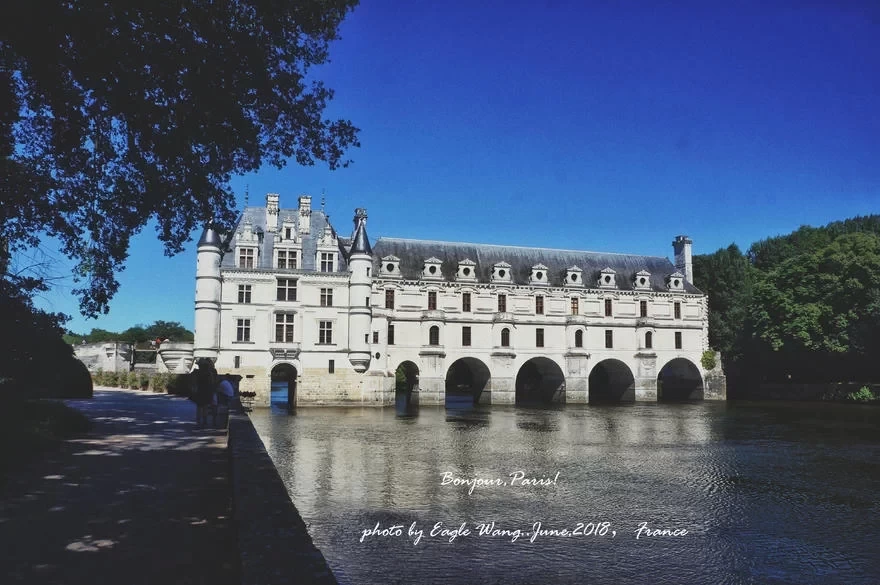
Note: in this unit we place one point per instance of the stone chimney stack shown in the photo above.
(305, 214)
(684, 262)
(271, 212)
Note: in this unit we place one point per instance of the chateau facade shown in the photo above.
(285, 299)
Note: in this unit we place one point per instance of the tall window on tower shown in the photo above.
(539, 337)
(246, 258)
(466, 302)
(539, 305)
(609, 338)
(326, 297)
(579, 338)
(434, 335)
(643, 308)
(678, 340)
(607, 307)
(432, 300)
(325, 332)
(286, 290)
(391, 335)
(505, 337)
(502, 303)
(284, 327)
(243, 330)
(575, 306)
(326, 262)
(389, 298)
(677, 309)
(465, 336)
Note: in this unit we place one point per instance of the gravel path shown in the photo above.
(143, 498)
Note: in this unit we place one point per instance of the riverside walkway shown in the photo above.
(143, 498)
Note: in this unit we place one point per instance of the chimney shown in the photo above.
(271, 212)
(305, 214)
(684, 263)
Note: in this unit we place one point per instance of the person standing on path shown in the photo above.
(206, 382)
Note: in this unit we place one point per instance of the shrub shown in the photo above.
(708, 360)
(73, 380)
(133, 380)
(863, 394)
(180, 384)
(143, 380)
(111, 379)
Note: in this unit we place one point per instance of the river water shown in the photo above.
(769, 493)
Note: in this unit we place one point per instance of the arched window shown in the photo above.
(505, 337)
(649, 340)
(434, 335)
(579, 338)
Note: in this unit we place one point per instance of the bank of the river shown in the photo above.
(825, 392)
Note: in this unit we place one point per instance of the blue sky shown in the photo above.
(609, 126)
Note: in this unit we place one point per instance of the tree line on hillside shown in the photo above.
(803, 307)
(137, 334)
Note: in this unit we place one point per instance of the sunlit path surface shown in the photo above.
(143, 498)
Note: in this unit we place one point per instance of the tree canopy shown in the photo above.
(801, 306)
(115, 113)
(136, 334)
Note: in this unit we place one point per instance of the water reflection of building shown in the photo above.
(284, 298)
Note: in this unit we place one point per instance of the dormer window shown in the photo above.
(431, 270)
(538, 275)
(288, 231)
(574, 276)
(286, 259)
(675, 281)
(247, 257)
(390, 267)
(467, 270)
(501, 273)
(642, 280)
(607, 278)
(328, 261)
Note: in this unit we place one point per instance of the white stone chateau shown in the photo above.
(284, 298)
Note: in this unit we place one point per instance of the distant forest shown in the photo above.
(137, 334)
(803, 307)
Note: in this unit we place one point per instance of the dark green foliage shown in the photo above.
(801, 307)
(707, 360)
(138, 334)
(116, 113)
(863, 394)
(30, 427)
(73, 381)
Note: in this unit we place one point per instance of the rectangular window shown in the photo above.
(434, 336)
(678, 340)
(326, 262)
(243, 330)
(539, 338)
(246, 258)
(286, 289)
(244, 293)
(466, 302)
(643, 308)
(287, 259)
(575, 306)
(432, 300)
(288, 233)
(325, 332)
(607, 307)
(391, 335)
(609, 338)
(236, 362)
(389, 299)
(502, 303)
(539, 305)
(367, 302)
(465, 336)
(326, 297)
(677, 308)
(284, 327)
(375, 337)
(331, 366)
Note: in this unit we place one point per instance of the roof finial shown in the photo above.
(323, 200)
(247, 193)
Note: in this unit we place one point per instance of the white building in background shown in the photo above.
(346, 322)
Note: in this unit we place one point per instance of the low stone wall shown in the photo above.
(274, 543)
(832, 391)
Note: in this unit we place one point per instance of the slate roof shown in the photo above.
(413, 253)
(257, 217)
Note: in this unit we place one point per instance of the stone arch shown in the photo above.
(540, 380)
(406, 383)
(679, 379)
(466, 378)
(612, 380)
(282, 389)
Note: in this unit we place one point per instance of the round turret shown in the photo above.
(207, 318)
(360, 262)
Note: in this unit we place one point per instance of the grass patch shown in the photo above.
(29, 428)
